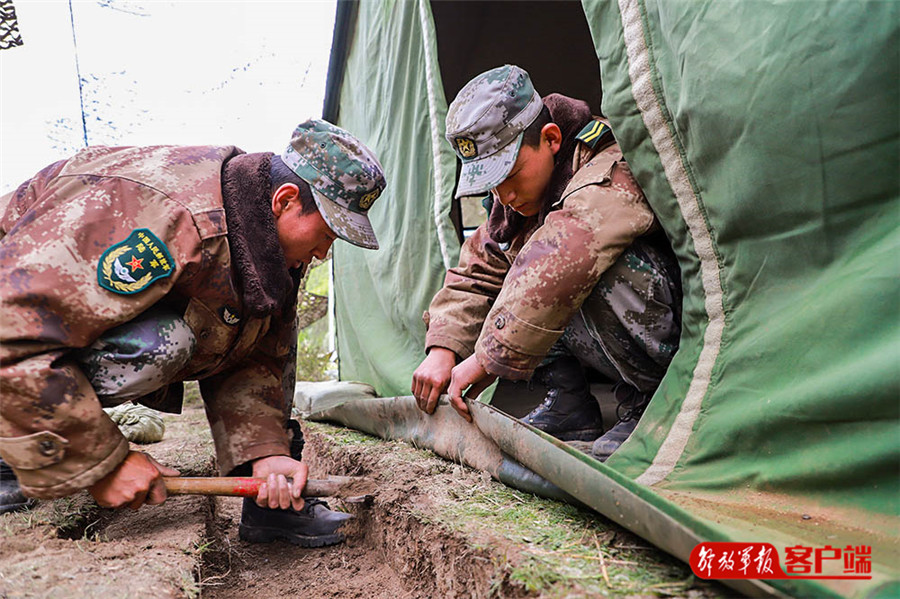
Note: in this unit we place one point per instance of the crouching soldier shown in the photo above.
(126, 271)
(571, 268)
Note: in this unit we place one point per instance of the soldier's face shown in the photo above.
(523, 190)
(302, 236)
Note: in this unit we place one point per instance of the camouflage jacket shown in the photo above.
(508, 306)
(58, 234)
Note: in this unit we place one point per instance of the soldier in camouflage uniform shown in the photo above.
(571, 268)
(126, 271)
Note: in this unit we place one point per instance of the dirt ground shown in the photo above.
(73, 548)
(391, 551)
(416, 540)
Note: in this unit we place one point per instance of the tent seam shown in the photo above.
(688, 198)
(435, 134)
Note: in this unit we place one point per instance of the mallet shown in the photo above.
(345, 487)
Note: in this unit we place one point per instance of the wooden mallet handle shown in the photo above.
(236, 486)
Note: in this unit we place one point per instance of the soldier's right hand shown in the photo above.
(432, 377)
(134, 482)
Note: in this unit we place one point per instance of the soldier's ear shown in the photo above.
(283, 197)
(550, 133)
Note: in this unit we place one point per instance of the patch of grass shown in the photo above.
(192, 394)
(74, 516)
(189, 586)
(14, 523)
(199, 548)
(535, 574)
(68, 518)
(565, 548)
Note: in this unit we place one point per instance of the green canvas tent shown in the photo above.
(766, 136)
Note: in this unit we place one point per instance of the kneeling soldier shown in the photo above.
(570, 269)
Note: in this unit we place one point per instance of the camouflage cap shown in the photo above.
(485, 124)
(344, 175)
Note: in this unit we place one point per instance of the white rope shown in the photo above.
(666, 146)
(436, 138)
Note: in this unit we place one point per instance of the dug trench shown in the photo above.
(438, 529)
(393, 547)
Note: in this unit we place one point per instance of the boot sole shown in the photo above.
(259, 534)
(600, 457)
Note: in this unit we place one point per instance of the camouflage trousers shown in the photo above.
(629, 326)
(139, 357)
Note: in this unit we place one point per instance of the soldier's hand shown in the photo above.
(432, 377)
(277, 492)
(470, 377)
(134, 482)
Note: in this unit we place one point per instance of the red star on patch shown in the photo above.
(135, 263)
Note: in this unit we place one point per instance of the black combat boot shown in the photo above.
(313, 526)
(11, 498)
(630, 408)
(569, 412)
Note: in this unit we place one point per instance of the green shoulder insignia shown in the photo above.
(593, 133)
(132, 264)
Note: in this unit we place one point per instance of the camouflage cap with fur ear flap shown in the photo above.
(485, 124)
(344, 175)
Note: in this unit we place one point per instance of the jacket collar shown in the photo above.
(263, 278)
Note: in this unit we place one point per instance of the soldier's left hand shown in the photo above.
(277, 492)
(470, 377)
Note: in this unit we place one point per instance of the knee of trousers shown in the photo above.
(138, 357)
(634, 314)
(639, 293)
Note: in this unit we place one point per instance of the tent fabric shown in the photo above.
(393, 100)
(443, 432)
(766, 136)
(773, 167)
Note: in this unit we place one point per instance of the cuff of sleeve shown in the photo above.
(34, 483)
(504, 362)
(512, 348)
(520, 335)
(454, 345)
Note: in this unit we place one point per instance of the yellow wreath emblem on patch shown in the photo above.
(466, 147)
(367, 200)
(123, 287)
